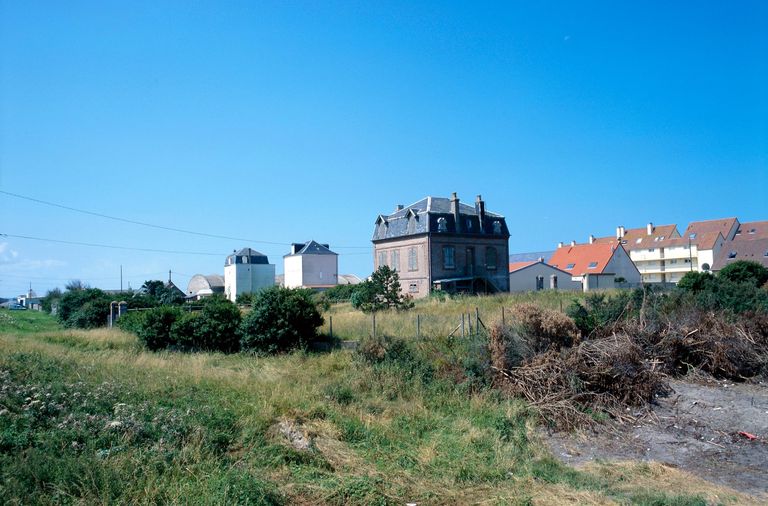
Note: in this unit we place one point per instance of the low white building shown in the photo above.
(247, 271)
(311, 265)
(596, 265)
(536, 275)
(204, 286)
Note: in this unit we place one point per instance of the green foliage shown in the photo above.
(745, 271)
(84, 308)
(695, 281)
(154, 329)
(161, 294)
(281, 319)
(51, 300)
(217, 327)
(599, 311)
(382, 291)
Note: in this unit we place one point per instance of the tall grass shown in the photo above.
(91, 418)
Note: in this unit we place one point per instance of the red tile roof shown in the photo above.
(703, 241)
(755, 250)
(638, 238)
(581, 256)
(515, 266)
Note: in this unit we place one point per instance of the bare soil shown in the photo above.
(696, 428)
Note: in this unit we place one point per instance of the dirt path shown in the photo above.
(695, 429)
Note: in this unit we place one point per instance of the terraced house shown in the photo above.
(442, 244)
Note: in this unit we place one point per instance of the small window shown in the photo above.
(413, 288)
(592, 265)
(496, 227)
(692, 235)
(624, 241)
(766, 253)
(382, 258)
(738, 232)
(395, 256)
(570, 266)
(661, 237)
(638, 240)
(651, 250)
(732, 254)
(469, 224)
(751, 230)
(449, 257)
(245, 260)
(413, 259)
(442, 225)
(656, 239)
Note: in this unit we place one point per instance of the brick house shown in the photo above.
(439, 243)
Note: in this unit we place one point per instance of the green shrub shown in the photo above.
(217, 327)
(282, 319)
(84, 308)
(745, 271)
(132, 321)
(155, 329)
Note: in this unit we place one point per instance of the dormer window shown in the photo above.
(692, 235)
(469, 224)
(661, 238)
(592, 265)
(245, 260)
(570, 266)
(496, 227)
(752, 230)
(732, 254)
(442, 225)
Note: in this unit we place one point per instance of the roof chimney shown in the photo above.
(398, 207)
(560, 245)
(573, 243)
(649, 228)
(480, 210)
(619, 231)
(455, 212)
(591, 239)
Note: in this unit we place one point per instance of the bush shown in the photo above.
(282, 319)
(217, 327)
(745, 271)
(155, 329)
(599, 312)
(84, 308)
(382, 291)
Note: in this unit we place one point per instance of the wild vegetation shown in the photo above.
(89, 416)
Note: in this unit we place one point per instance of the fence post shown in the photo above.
(330, 326)
(462, 324)
(561, 305)
(503, 322)
(418, 326)
(373, 324)
(477, 322)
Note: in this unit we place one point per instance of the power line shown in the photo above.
(152, 225)
(95, 245)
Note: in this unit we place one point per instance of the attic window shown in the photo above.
(624, 241)
(469, 224)
(692, 235)
(732, 254)
(766, 253)
(497, 227)
(245, 259)
(570, 266)
(751, 231)
(442, 225)
(661, 237)
(656, 239)
(592, 265)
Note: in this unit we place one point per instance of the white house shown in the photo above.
(247, 271)
(311, 265)
(529, 276)
(596, 265)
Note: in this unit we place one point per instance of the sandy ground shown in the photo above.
(696, 428)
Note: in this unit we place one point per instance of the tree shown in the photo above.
(745, 271)
(84, 308)
(282, 319)
(51, 300)
(382, 291)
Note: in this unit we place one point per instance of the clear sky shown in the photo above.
(288, 121)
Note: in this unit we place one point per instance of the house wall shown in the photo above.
(622, 266)
(311, 271)
(599, 281)
(414, 282)
(524, 280)
(247, 278)
(499, 276)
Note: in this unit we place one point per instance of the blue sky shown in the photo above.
(289, 121)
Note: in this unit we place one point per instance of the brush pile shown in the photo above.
(610, 375)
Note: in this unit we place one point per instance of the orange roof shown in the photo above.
(515, 266)
(723, 226)
(703, 241)
(583, 258)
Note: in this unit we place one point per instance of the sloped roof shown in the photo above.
(349, 279)
(752, 230)
(421, 217)
(723, 226)
(313, 248)
(530, 257)
(254, 257)
(755, 250)
(516, 266)
(582, 256)
(638, 238)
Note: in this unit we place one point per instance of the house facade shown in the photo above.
(442, 244)
(749, 242)
(535, 275)
(247, 271)
(311, 265)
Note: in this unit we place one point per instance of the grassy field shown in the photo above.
(87, 417)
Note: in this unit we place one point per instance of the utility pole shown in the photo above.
(121, 278)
